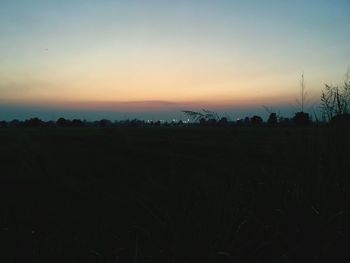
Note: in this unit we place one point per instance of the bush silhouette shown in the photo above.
(335, 100)
(256, 120)
(301, 118)
(77, 123)
(34, 122)
(272, 120)
(341, 119)
(62, 122)
(223, 121)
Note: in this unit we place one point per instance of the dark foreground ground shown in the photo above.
(175, 195)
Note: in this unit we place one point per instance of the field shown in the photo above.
(190, 194)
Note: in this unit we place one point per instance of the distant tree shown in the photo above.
(272, 120)
(62, 122)
(104, 123)
(77, 123)
(34, 122)
(256, 120)
(284, 121)
(212, 121)
(50, 124)
(223, 121)
(240, 122)
(14, 123)
(136, 123)
(301, 118)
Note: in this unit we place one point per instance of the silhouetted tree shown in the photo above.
(246, 121)
(62, 122)
(136, 123)
(284, 121)
(272, 120)
(104, 123)
(77, 123)
(301, 118)
(223, 121)
(50, 124)
(240, 122)
(34, 122)
(14, 123)
(256, 120)
(211, 122)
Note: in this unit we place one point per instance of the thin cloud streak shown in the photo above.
(151, 105)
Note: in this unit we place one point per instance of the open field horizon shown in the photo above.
(174, 131)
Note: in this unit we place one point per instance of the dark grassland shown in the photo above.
(175, 194)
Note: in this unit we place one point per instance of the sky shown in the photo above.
(151, 59)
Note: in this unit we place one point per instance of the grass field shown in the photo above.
(238, 194)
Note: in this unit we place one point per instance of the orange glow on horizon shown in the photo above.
(123, 56)
(142, 82)
(153, 105)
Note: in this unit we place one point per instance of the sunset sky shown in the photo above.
(153, 58)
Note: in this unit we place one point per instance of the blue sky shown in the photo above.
(78, 56)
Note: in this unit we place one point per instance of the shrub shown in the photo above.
(301, 118)
(335, 100)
